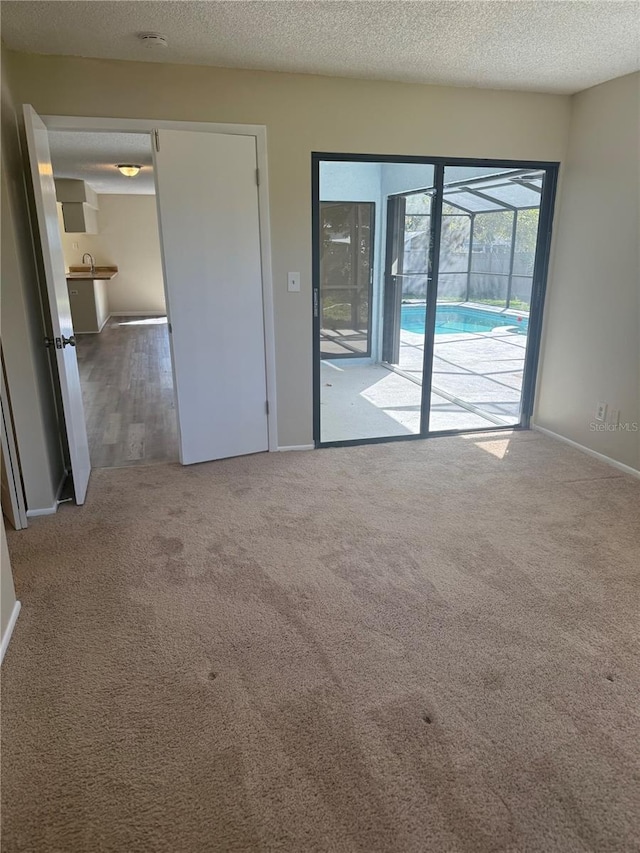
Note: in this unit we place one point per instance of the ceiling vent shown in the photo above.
(152, 40)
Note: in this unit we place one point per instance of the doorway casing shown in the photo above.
(258, 132)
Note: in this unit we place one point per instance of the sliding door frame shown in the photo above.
(538, 289)
(392, 294)
(432, 297)
(538, 293)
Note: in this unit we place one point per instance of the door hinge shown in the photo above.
(170, 328)
(266, 405)
(315, 302)
(156, 139)
(258, 177)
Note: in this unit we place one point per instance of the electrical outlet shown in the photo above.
(601, 412)
(614, 417)
(76, 246)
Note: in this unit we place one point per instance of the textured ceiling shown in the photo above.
(537, 45)
(92, 157)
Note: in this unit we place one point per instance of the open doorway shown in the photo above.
(110, 241)
(427, 309)
(217, 279)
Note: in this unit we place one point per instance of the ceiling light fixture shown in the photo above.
(128, 169)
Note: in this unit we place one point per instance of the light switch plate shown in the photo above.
(293, 282)
(601, 412)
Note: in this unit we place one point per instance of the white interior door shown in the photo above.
(207, 199)
(47, 215)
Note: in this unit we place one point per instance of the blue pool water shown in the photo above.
(454, 319)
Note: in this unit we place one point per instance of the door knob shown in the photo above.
(70, 341)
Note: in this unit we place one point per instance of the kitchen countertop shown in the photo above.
(86, 274)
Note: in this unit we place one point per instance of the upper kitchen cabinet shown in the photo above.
(79, 206)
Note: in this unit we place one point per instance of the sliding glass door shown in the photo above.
(482, 333)
(428, 320)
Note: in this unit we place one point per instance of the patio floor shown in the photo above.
(477, 382)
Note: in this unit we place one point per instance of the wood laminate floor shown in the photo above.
(127, 386)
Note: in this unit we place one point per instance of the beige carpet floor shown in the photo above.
(426, 646)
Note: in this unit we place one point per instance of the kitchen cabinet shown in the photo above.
(79, 206)
(89, 298)
(79, 218)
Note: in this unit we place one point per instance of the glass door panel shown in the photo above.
(488, 244)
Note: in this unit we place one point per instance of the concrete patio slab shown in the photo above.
(477, 382)
(371, 401)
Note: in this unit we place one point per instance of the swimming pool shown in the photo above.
(454, 319)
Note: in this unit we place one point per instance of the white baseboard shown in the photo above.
(93, 331)
(607, 459)
(138, 313)
(47, 510)
(297, 447)
(50, 510)
(11, 624)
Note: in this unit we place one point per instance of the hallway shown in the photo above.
(127, 387)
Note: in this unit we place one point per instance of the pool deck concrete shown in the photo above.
(477, 382)
(483, 369)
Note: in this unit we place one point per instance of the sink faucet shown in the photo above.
(90, 256)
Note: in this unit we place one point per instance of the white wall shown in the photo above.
(404, 177)
(355, 181)
(303, 113)
(591, 343)
(127, 237)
